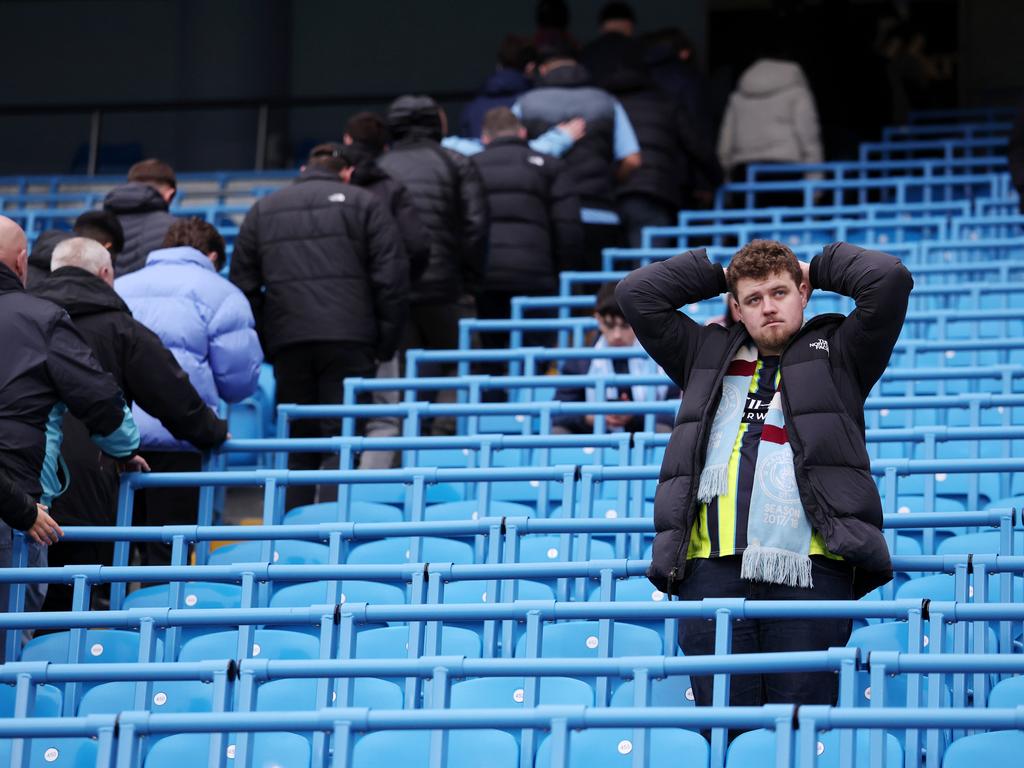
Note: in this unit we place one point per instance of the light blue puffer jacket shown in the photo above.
(204, 320)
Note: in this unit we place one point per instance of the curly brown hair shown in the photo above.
(760, 258)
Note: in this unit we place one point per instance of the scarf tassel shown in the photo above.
(714, 482)
(776, 566)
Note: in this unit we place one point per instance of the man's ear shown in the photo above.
(734, 306)
(805, 293)
(168, 194)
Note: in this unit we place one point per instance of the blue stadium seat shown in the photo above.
(412, 749)
(55, 753)
(672, 691)
(48, 701)
(476, 592)
(399, 550)
(270, 750)
(315, 593)
(102, 646)
(166, 696)
(298, 695)
(1007, 693)
(330, 512)
(284, 553)
(997, 748)
(393, 643)
(507, 692)
(267, 644)
(580, 640)
(753, 747)
(614, 747)
(470, 510)
(394, 493)
(196, 594)
(543, 548)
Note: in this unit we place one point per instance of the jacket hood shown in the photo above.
(79, 292)
(134, 197)
(506, 82)
(181, 254)
(42, 250)
(368, 172)
(414, 117)
(566, 76)
(767, 76)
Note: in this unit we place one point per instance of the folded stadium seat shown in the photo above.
(544, 548)
(639, 590)
(996, 748)
(527, 492)
(246, 421)
(48, 701)
(671, 691)
(102, 646)
(471, 510)
(581, 640)
(606, 507)
(285, 552)
(330, 512)
(455, 458)
(984, 543)
(469, 592)
(905, 545)
(754, 747)
(394, 493)
(270, 750)
(909, 504)
(585, 456)
(614, 747)
(267, 644)
(411, 749)
(299, 695)
(399, 550)
(505, 424)
(267, 392)
(1007, 694)
(197, 595)
(941, 587)
(508, 693)
(393, 643)
(167, 696)
(50, 752)
(306, 594)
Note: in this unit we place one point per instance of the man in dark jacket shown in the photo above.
(608, 153)
(450, 200)
(616, 47)
(141, 207)
(146, 371)
(669, 148)
(516, 58)
(535, 227)
(322, 265)
(766, 489)
(101, 226)
(46, 370)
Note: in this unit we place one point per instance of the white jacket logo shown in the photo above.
(821, 345)
(337, 197)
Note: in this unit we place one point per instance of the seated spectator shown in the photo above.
(207, 324)
(141, 208)
(615, 332)
(101, 226)
(516, 60)
(82, 283)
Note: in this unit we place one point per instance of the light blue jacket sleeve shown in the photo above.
(462, 145)
(624, 137)
(123, 441)
(554, 142)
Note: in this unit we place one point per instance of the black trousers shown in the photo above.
(58, 596)
(166, 506)
(639, 211)
(720, 577)
(315, 373)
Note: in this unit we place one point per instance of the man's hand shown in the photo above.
(44, 530)
(134, 464)
(575, 128)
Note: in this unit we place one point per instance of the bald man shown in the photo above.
(46, 370)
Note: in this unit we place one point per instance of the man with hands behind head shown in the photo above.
(766, 490)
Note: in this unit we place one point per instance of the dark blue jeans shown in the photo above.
(720, 577)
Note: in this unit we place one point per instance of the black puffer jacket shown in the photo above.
(15, 504)
(147, 373)
(321, 260)
(396, 199)
(535, 217)
(828, 369)
(46, 369)
(565, 93)
(143, 215)
(42, 254)
(671, 150)
(446, 190)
